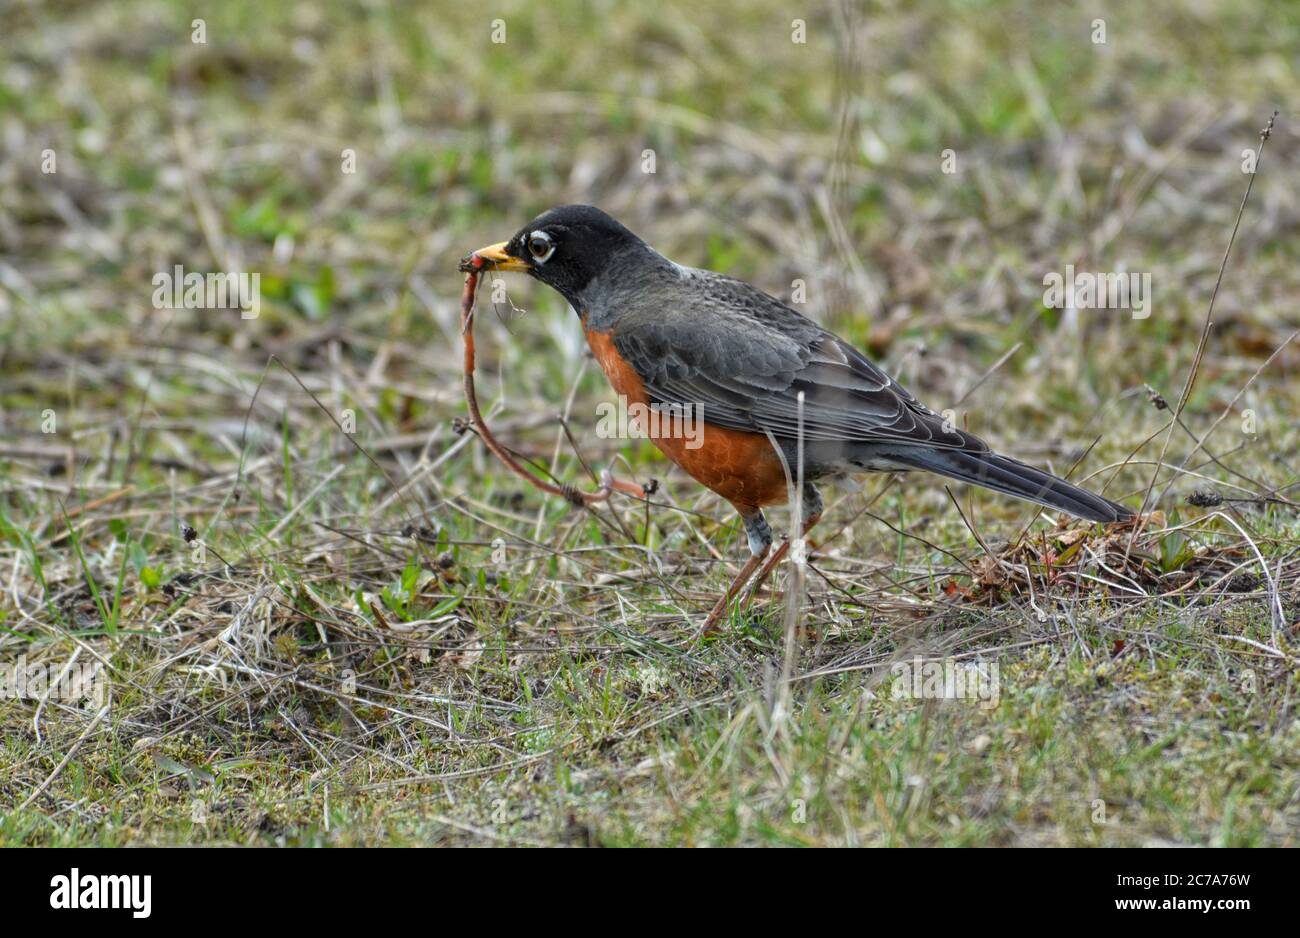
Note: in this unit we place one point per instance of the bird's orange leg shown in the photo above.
(779, 554)
(720, 608)
(760, 543)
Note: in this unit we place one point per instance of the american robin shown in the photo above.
(771, 391)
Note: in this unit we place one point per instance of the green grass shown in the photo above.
(405, 645)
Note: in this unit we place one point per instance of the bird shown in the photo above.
(754, 394)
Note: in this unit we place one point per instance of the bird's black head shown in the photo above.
(565, 248)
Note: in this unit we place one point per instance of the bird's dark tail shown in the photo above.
(1014, 478)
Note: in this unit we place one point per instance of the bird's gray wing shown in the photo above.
(742, 358)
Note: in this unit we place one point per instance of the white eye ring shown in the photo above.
(540, 246)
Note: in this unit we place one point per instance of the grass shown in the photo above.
(379, 636)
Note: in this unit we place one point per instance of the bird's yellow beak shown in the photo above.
(494, 257)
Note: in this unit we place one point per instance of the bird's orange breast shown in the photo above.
(741, 467)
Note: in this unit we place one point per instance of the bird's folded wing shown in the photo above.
(747, 375)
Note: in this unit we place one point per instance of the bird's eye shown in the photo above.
(540, 246)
